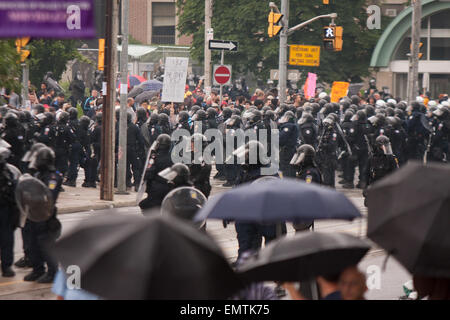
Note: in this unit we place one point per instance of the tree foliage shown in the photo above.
(50, 55)
(10, 70)
(246, 22)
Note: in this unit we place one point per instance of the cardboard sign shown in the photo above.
(339, 90)
(175, 75)
(310, 85)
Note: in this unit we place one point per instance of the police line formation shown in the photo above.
(317, 138)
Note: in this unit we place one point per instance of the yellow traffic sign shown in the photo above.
(303, 55)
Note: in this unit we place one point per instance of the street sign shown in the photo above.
(210, 34)
(302, 55)
(293, 75)
(222, 74)
(227, 45)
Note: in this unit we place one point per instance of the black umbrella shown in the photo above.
(147, 258)
(146, 95)
(279, 200)
(409, 216)
(304, 256)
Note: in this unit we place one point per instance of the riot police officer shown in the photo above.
(200, 171)
(64, 138)
(135, 142)
(157, 187)
(439, 141)
(361, 147)
(44, 234)
(9, 215)
(183, 121)
(75, 150)
(288, 142)
(418, 132)
(348, 161)
(95, 135)
(308, 171)
(326, 151)
(199, 122)
(307, 129)
(164, 124)
(398, 139)
(14, 133)
(231, 167)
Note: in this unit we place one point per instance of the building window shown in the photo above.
(441, 20)
(440, 49)
(163, 23)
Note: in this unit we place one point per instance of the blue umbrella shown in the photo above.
(279, 200)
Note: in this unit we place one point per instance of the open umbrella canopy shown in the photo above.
(133, 80)
(279, 200)
(147, 258)
(409, 216)
(304, 256)
(151, 85)
(145, 95)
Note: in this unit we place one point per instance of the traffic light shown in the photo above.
(101, 54)
(332, 38)
(420, 47)
(20, 43)
(274, 19)
(326, 1)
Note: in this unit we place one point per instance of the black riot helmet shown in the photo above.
(21, 116)
(255, 116)
(442, 113)
(361, 116)
(335, 117)
(73, 113)
(306, 118)
(141, 114)
(43, 160)
(269, 115)
(183, 117)
(400, 113)
(184, 203)
(154, 118)
(327, 109)
(211, 113)
(253, 153)
(84, 122)
(370, 111)
(163, 118)
(200, 115)
(11, 119)
(381, 120)
(348, 115)
(226, 113)
(28, 116)
(178, 174)
(305, 155)
(34, 148)
(390, 112)
(4, 155)
(383, 144)
(49, 118)
(163, 142)
(288, 117)
(99, 118)
(299, 112)
(355, 99)
(322, 103)
(235, 121)
(63, 117)
(345, 104)
(315, 108)
(328, 121)
(193, 110)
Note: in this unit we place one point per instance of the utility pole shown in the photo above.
(107, 153)
(208, 15)
(283, 50)
(413, 74)
(122, 155)
(25, 77)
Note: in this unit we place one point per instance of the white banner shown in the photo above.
(175, 74)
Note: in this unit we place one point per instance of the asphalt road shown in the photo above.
(383, 284)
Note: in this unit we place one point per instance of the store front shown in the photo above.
(390, 60)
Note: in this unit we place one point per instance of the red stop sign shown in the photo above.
(222, 75)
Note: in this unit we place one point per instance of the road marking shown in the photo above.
(11, 282)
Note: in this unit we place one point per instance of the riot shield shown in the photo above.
(33, 199)
(148, 164)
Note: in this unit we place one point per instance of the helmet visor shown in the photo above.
(387, 149)
(168, 174)
(297, 159)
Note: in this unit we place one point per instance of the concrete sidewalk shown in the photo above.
(84, 199)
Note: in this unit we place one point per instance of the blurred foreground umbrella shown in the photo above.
(149, 85)
(147, 258)
(409, 216)
(304, 256)
(279, 200)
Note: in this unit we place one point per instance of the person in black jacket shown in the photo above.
(157, 187)
(14, 134)
(135, 143)
(75, 150)
(64, 138)
(288, 141)
(200, 171)
(95, 142)
(43, 235)
(86, 152)
(77, 88)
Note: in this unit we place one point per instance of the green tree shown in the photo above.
(10, 71)
(50, 55)
(246, 22)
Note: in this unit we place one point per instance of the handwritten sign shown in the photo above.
(339, 90)
(174, 79)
